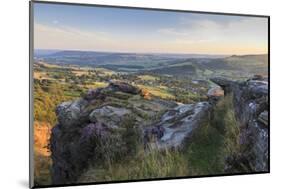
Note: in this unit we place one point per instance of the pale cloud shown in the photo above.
(50, 37)
(55, 21)
(68, 38)
(243, 36)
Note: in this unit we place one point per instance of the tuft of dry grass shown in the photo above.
(155, 164)
(42, 169)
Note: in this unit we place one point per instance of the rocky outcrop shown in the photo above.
(124, 87)
(250, 99)
(106, 122)
(215, 94)
(224, 83)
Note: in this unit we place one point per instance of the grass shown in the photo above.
(41, 75)
(96, 84)
(143, 166)
(204, 154)
(214, 142)
(42, 169)
(147, 77)
(80, 72)
(207, 72)
(50, 65)
(158, 91)
(105, 72)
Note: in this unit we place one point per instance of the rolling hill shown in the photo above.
(171, 64)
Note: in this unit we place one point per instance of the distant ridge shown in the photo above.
(258, 57)
(80, 52)
(250, 55)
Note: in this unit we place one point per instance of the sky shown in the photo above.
(69, 27)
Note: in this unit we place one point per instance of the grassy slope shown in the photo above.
(254, 64)
(215, 141)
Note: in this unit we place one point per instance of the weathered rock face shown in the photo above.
(176, 126)
(109, 115)
(70, 113)
(251, 110)
(100, 124)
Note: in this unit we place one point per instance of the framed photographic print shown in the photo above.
(123, 94)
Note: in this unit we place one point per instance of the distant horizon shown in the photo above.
(82, 28)
(77, 50)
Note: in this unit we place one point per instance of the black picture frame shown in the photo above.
(31, 55)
